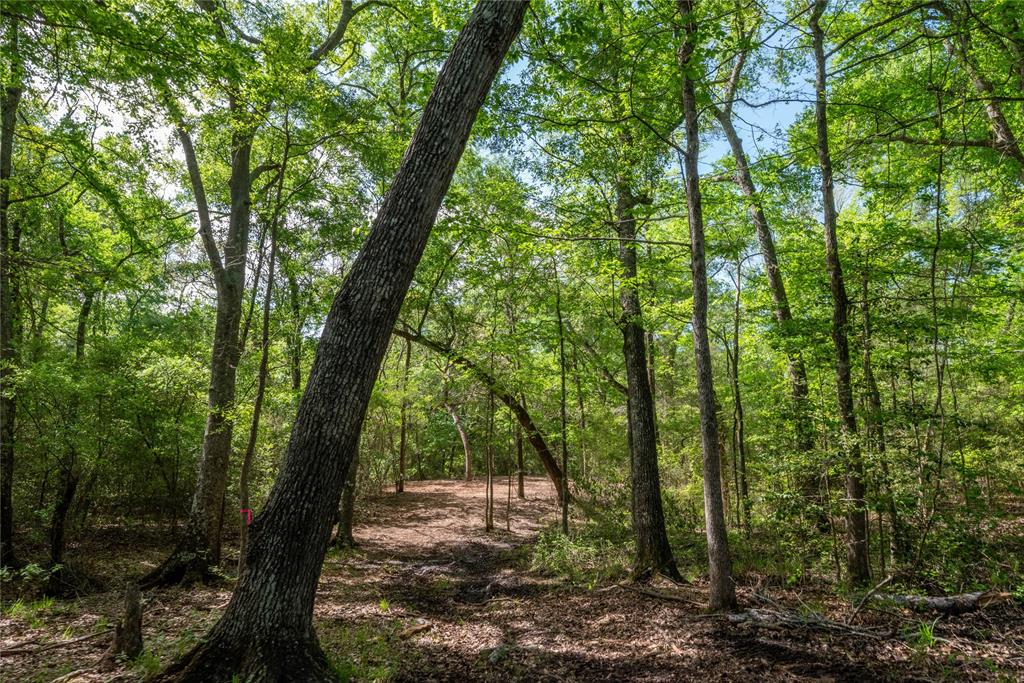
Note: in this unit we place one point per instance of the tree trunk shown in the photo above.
(295, 345)
(199, 549)
(347, 508)
(722, 591)
(1004, 140)
(58, 521)
(796, 371)
(467, 464)
(244, 503)
(128, 632)
(8, 118)
(653, 553)
(489, 464)
(876, 428)
(520, 485)
(516, 405)
(856, 518)
(403, 437)
(563, 441)
(739, 425)
(267, 632)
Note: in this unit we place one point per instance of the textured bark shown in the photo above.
(766, 240)
(721, 590)
(520, 470)
(856, 518)
(653, 553)
(489, 467)
(128, 632)
(266, 633)
(8, 118)
(518, 407)
(795, 369)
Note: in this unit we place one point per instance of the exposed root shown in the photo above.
(66, 581)
(183, 567)
(282, 659)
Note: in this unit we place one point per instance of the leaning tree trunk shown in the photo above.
(653, 553)
(266, 633)
(722, 591)
(8, 117)
(856, 518)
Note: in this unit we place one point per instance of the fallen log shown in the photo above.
(950, 605)
(775, 619)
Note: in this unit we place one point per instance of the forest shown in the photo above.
(548, 340)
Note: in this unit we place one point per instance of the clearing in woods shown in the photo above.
(429, 595)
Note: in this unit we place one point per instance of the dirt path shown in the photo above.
(430, 596)
(461, 604)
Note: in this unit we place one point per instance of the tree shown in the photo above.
(856, 519)
(200, 547)
(11, 96)
(266, 631)
(721, 588)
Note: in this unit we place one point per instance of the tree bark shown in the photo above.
(856, 518)
(489, 465)
(520, 485)
(517, 406)
(128, 632)
(653, 553)
(58, 521)
(795, 368)
(722, 591)
(8, 118)
(266, 632)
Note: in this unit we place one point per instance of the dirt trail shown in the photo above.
(461, 604)
(430, 596)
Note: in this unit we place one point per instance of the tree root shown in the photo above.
(183, 567)
(283, 659)
(65, 581)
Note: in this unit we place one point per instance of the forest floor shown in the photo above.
(430, 596)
